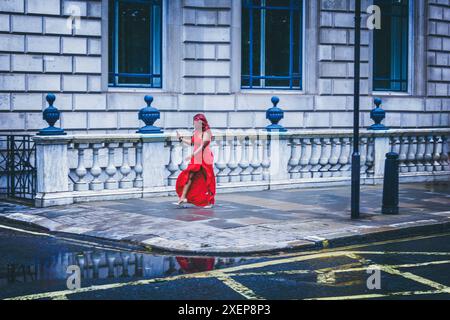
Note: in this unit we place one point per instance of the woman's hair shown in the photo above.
(205, 125)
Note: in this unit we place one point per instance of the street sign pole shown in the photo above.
(356, 157)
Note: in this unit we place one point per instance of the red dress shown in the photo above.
(203, 187)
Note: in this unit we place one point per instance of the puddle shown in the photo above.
(30, 264)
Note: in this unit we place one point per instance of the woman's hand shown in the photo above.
(178, 135)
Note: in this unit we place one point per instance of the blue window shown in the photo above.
(135, 43)
(390, 52)
(272, 32)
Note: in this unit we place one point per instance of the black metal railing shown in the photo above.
(17, 167)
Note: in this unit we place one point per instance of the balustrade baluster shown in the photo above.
(266, 159)
(437, 150)
(232, 164)
(429, 153)
(370, 160)
(325, 156)
(334, 157)
(81, 184)
(221, 165)
(444, 155)
(305, 159)
(111, 183)
(315, 157)
(363, 152)
(173, 166)
(344, 159)
(420, 155)
(244, 163)
(138, 168)
(403, 155)
(256, 163)
(294, 165)
(411, 157)
(96, 171)
(125, 169)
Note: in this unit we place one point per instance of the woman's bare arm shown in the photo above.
(206, 140)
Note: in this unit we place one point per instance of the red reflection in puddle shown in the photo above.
(191, 265)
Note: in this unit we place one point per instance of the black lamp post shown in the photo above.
(356, 157)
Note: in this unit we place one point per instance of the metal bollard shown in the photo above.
(390, 185)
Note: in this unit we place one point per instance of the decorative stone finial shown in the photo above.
(378, 115)
(274, 115)
(51, 114)
(149, 115)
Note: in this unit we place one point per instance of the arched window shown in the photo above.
(390, 48)
(135, 42)
(272, 32)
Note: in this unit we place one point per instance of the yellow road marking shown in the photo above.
(26, 231)
(362, 245)
(416, 278)
(238, 287)
(379, 295)
(402, 253)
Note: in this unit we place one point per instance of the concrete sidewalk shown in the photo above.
(249, 222)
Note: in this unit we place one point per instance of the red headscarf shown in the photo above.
(205, 125)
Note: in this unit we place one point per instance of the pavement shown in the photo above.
(249, 222)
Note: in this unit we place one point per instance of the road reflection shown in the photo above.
(109, 265)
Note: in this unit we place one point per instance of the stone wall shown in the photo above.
(201, 69)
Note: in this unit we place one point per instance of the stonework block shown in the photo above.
(12, 82)
(12, 120)
(12, 6)
(74, 120)
(58, 64)
(44, 82)
(44, 44)
(102, 120)
(26, 101)
(89, 28)
(5, 64)
(89, 102)
(75, 83)
(54, 25)
(28, 63)
(5, 22)
(74, 45)
(51, 7)
(28, 24)
(12, 42)
(87, 65)
(317, 119)
(5, 101)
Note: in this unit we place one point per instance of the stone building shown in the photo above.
(226, 58)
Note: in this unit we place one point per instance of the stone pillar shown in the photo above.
(382, 147)
(155, 157)
(279, 155)
(52, 166)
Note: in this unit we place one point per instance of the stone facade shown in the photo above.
(201, 69)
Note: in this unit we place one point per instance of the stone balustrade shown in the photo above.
(114, 166)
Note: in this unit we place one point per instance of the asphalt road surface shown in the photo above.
(34, 265)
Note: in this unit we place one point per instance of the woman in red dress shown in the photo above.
(197, 183)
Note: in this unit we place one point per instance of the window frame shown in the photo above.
(301, 58)
(115, 56)
(410, 58)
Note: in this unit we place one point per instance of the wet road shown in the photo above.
(34, 265)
